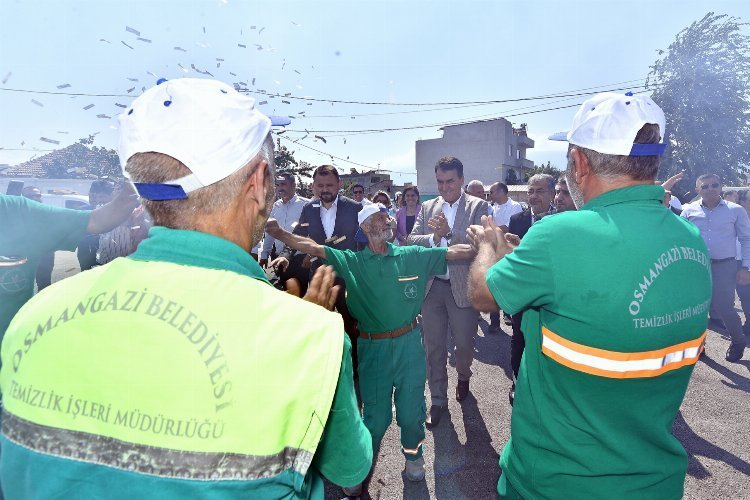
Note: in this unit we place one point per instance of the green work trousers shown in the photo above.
(396, 364)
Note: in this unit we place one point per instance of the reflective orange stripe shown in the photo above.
(621, 365)
(415, 450)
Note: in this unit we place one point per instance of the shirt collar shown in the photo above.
(368, 253)
(455, 203)
(334, 204)
(192, 248)
(638, 192)
(722, 201)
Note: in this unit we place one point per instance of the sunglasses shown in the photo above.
(712, 185)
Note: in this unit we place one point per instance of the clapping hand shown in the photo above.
(321, 289)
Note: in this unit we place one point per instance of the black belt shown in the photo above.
(443, 280)
(716, 261)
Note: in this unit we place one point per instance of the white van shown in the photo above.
(75, 201)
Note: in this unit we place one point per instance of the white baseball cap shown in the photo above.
(205, 124)
(368, 210)
(362, 216)
(608, 123)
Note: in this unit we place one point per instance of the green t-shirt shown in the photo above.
(385, 292)
(29, 230)
(615, 300)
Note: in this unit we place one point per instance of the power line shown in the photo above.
(325, 154)
(48, 92)
(571, 93)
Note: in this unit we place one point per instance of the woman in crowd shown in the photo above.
(407, 214)
(382, 197)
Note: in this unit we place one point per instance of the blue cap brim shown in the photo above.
(559, 136)
(279, 121)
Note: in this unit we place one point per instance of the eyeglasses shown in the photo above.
(713, 185)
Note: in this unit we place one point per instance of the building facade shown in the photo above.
(491, 151)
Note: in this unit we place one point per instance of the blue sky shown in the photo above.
(386, 52)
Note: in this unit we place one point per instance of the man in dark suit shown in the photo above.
(328, 219)
(541, 192)
(442, 222)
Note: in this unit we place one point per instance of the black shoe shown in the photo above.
(462, 390)
(735, 352)
(512, 393)
(434, 415)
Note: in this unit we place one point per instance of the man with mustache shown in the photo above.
(386, 286)
(610, 347)
(185, 374)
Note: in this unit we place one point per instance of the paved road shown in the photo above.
(461, 454)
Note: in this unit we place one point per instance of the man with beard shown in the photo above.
(609, 346)
(541, 191)
(563, 201)
(386, 285)
(329, 219)
(185, 371)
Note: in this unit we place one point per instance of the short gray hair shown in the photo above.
(639, 168)
(543, 179)
(184, 213)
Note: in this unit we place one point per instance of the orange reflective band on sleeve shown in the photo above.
(612, 364)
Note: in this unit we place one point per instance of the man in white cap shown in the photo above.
(175, 379)
(609, 347)
(385, 289)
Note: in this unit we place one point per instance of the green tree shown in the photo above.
(286, 162)
(549, 168)
(702, 82)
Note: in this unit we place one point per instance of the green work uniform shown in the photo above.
(177, 372)
(28, 231)
(385, 292)
(615, 300)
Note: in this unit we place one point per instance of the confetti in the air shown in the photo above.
(133, 31)
(253, 82)
(131, 89)
(144, 40)
(285, 102)
(242, 45)
(233, 74)
(125, 44)
(261, 30)
(103, 40)
(63, 86)
(37, 103)
(51, 141)
(180, 49)
(7, 77)
(261, 103)
(120, 105)
(89, 106)
(133, 79)
(103, 116)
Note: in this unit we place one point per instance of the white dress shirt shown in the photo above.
(328, 217)
(449, 210)
(287, 214)
(501, 213)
